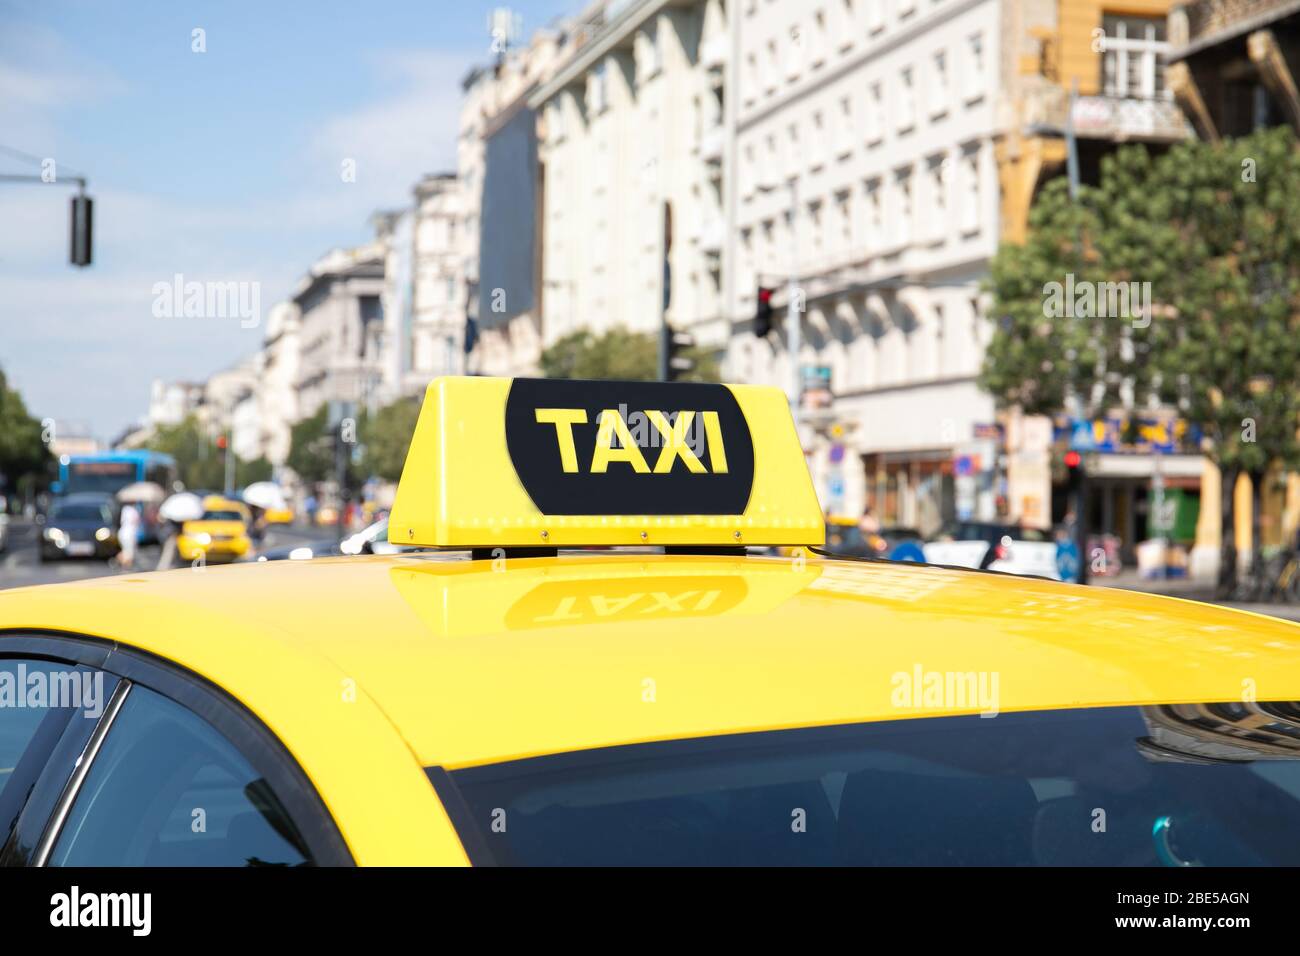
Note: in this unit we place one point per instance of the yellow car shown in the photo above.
(509, 700)
(279, 516)
(220, 535)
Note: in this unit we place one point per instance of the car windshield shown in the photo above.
(80, 512)
(222, 516)
(1131, 786)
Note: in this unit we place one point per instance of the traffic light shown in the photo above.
(675, 344)
(1076, 491)
(83, 208)
(763, 313)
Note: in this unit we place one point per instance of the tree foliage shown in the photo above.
(200, 464)
(1211, 228)
(23, 453)
(387, 435)
(311, 447)
(383, 438)
(618, 354)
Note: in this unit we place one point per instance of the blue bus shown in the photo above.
(111, 471)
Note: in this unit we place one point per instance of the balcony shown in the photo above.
(1195, 23)
(1115, 118)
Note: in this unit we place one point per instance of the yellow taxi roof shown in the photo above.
(476, 662)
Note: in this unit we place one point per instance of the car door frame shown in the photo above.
(48, 803)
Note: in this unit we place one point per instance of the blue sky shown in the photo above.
(221, 166)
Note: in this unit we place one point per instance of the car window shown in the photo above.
(21, 712)
(166, 789)
(1123, 786)
(81, 513)
(37, 698)
(222, 516)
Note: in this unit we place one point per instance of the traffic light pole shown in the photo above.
(794, 329)
(82, 205)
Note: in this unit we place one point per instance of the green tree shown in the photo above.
(617, 354)
(24, 456)
(199, 462)
(311, 447)
(387, 435)
(257, 469)
(1210, 227)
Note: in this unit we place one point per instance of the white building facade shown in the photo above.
(632, 147)
(864, 166)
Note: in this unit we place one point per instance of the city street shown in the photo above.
(20, 563)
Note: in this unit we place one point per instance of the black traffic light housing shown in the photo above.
(763, 312)
(83, 209)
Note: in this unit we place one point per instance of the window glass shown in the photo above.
(1207, 784)
(24, 702)
(166, 789)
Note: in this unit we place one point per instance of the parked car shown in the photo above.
(994, 547)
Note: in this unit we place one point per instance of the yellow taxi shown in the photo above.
(221, 534)
(279, 516)
(508, 698)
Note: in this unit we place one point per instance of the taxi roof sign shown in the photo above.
(529, 463)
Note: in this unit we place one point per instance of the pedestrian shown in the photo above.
(868, 524)
(128, 536)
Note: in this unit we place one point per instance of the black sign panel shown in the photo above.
(552, 432)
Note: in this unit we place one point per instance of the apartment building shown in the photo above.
(865, 168)
(632, 142)
(502, 185)
(343, 338)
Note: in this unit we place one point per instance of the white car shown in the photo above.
(994, 547)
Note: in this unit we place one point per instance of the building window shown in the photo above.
(939, 321)
(844, 212)
(817, 141)
(817, 54)
(793, 153)
(1133, 57)
(816, 228)
(875, 113)
(939, 84)
(906, 101)
(938, 197)
(875, 15)
(652, 61)
(598, 92)
(752, 81)
(794, 52)
(903, 217)
(974, 82)
(875, 215)
(844, 136)
(970, 210)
